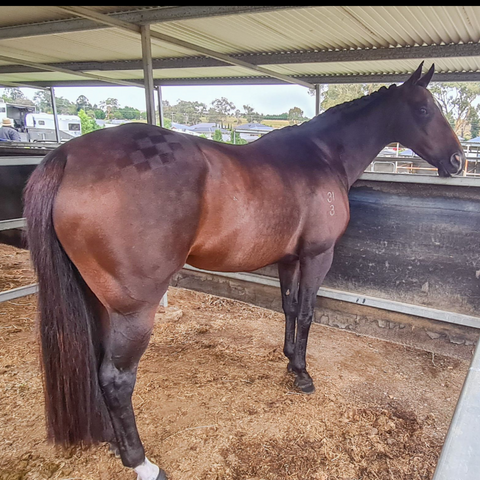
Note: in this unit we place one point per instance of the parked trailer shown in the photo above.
(41, 127)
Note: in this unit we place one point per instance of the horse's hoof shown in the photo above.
(304, 383)
(162, 475)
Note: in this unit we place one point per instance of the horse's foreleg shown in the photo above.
(289, 275)
(125, 341)
(312, 273)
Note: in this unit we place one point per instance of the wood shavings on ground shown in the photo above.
(214, 400)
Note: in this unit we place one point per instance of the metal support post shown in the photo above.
(460, 456)
(55, 116)
(317, 99)
(148, 73)
(160, 106)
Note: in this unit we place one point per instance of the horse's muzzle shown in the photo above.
(457, 161)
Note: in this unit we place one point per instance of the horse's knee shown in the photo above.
(290, 309)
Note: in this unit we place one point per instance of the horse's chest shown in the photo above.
(329, 217)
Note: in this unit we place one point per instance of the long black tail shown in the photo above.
(68, 327)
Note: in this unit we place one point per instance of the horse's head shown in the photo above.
(420, 125)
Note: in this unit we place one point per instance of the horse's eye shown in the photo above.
(423, 111)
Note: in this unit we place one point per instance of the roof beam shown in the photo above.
(139, 16)
(107, 20)
(398, 53)
(316, 79)
(321, 79)
(43, 66)
(20, 85)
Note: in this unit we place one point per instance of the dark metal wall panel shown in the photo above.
(12, 182)
(416, 244)
(411, 243)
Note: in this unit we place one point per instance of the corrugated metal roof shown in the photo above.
(349, 42)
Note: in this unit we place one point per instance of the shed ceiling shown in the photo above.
(329, 44)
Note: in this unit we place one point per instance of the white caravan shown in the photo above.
(41, 127)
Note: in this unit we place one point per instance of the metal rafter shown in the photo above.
(140, 16)
(113, 22)
(316, 79)
(399, 53)
(43, 66)
(20, 85)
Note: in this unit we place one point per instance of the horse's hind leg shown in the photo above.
(126, 338)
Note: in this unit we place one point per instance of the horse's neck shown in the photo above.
(360, 139)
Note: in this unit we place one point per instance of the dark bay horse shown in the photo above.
(112, 215)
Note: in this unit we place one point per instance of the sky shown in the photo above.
(264, 99)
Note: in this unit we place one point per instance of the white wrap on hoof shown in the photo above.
(147, 470)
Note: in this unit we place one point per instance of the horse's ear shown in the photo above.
(415, 76)
(425, 80)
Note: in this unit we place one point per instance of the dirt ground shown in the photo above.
(214, 400)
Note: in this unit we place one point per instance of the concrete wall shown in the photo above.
(431, 335)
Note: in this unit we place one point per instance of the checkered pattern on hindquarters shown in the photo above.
(153, 150)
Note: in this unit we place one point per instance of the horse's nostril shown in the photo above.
(456, 161)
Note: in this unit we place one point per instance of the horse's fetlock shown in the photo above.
(288, 352)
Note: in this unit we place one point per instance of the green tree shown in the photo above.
(188, 113)
(15, 95)
(109, 106)
(88, 123)
(474, 123)
(295, 116)
(217, 136)
(235, 138)
(336, 94)
(98, 113)
(213, 116)
(251, 115)
(129, 113)
(223, 107)
(248, 111)
(65, 106)
(457, 101)
(43, 101)
(82, 103)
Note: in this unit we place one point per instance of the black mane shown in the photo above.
(352, 107)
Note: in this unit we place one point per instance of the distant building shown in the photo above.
(110, 123)
(253, 128)
(179, 127)
(208, 129)
(252, 131)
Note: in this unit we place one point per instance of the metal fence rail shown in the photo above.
(460, 456)
(13, 223)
